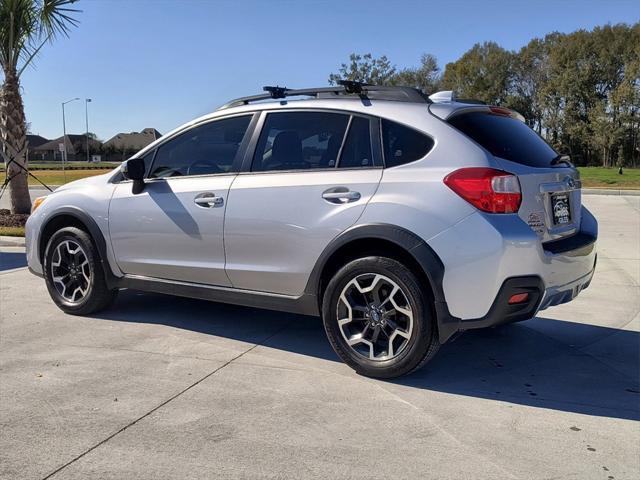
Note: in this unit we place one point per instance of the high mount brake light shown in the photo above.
(487, 189)
(500, 111)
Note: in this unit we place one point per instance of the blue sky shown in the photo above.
(160, 63)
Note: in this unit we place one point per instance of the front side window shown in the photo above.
(148, 159)
(300, 141)
(204, 150)
(402, 144)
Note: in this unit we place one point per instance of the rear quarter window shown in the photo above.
(505, 137)
(402, 144)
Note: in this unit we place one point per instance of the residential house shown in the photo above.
(123, 145)
(34, 141)
(75, 144)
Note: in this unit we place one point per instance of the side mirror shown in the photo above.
(133, 169)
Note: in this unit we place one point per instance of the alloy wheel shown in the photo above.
(70, 271)
(375, 317)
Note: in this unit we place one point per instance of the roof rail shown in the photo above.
(345, 88)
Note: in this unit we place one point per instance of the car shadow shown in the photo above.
(162, 194)
(544, 363)
(11, 260)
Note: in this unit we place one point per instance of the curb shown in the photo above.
(6, 241)
(609, 191)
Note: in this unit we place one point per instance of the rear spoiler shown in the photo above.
(446, 111)
(446, 105)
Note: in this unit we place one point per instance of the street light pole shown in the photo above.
(64, 138)
(86, 117)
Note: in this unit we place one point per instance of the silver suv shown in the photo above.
(401, 219)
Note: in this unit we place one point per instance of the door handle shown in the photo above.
(340, 195)
(208, 200)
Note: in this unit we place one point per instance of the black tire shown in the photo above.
(98, 296)
(418, 349)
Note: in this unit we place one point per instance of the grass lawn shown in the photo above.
(599, 177)
(57, 177)
(12, 231)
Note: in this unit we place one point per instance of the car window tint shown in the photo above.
(403, 144)
(299, 141)
(505, 137)
(357, 148)
(206, 149)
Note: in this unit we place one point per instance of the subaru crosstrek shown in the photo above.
(401, 219)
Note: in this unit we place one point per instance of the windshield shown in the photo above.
(506, 137)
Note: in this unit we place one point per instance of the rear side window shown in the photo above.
(505, 137)
(300, 141)
(403, 144)
(356, 152)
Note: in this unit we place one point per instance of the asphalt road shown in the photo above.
(35, 192)
(161, 387)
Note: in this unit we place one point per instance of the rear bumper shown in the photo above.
(501, 312)
(488, 258)
(558, 295)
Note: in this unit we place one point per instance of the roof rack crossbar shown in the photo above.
(344, 88)
(351, 86)
(276, 92)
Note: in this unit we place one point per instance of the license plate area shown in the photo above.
(561, 209)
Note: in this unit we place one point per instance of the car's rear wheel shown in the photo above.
(378, 318)
(73, 273)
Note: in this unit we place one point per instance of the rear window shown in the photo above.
(506, 138)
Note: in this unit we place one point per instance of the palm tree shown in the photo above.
(25, 27)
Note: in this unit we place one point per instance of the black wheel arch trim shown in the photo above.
(93, 230)
(415, 246)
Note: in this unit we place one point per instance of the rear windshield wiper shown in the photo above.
(559, 159)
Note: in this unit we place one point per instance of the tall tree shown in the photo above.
(25, 27)
(580, 91)
(365, 68)
(529, 73)
(426, 77)
(483, 73)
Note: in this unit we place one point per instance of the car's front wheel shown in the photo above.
(378, 318)
(74, 274)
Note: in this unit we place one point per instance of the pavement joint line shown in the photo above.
(115, 349)
(13, 270)
(158, 407)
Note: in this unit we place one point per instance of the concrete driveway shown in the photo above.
(162, 387)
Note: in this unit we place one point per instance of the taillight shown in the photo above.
(487, 189)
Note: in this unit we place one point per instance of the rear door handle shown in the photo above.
(340, 195)
(208, 200)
